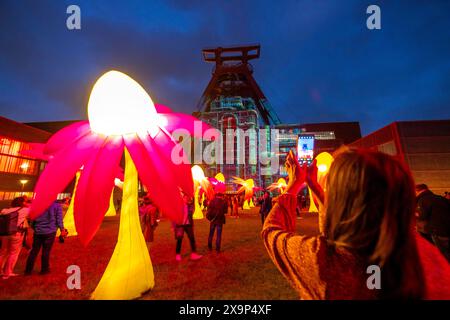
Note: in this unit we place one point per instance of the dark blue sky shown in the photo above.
(318, 61)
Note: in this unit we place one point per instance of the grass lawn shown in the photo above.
(242, 271)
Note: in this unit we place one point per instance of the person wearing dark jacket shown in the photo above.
(216, 215)
(266, 206)
(433, 218)
(45, 227)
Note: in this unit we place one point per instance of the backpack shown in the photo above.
(8, 223)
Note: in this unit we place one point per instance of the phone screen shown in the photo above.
(305, 148)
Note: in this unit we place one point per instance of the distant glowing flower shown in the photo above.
(218, 183)
(247, 186)
(280, 185)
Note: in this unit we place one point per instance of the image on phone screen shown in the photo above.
(305, 148)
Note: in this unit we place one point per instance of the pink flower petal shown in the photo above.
(163, 191)
(164, 144)
(162, 108)
(66, 136)
(95, 186)
(36, 151)
(60, 170)
(176, 121)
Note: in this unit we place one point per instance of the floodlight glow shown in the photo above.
(24, 166)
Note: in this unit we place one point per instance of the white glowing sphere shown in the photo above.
(197, 173)
(322, 167)
(119, 105)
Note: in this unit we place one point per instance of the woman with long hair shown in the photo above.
(366, 224)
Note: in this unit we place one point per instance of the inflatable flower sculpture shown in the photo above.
(201, 186)
(247, 186)
(280, 185)
(122, 118)
(218, 183)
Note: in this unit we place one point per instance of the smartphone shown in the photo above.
(305, 148)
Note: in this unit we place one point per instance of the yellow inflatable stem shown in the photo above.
(312, 205)
(251, 204)
(69, 220)
(246, 205)
(129, 272)
(111, 210)
(202, 201)
(198, 213)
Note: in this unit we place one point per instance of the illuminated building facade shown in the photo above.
(233, 100)
(18, 173)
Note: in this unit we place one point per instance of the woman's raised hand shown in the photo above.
(296, 173)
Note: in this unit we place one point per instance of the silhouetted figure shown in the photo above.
(216, 215)
(433, 218)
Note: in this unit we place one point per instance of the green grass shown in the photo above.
(242, 271)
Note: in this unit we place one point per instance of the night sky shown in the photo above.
(318, 60)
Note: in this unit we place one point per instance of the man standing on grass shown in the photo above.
(45, 227)
(433, 218)
(216, 215)
(266, 206)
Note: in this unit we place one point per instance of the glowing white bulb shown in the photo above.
(197, 173)
(119, 105)
(322, 167)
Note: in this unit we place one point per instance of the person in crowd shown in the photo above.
(149, 216)
(266, 206)
(11, 245)
(366, 224)
(433, 218)
(187, 227)
(65, 204)
(236, 206)
(45, 227)
(216, 215)
(447, 195)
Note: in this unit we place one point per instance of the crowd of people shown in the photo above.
(35, 236)
(370, 214)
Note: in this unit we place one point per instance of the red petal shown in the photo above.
(163, 144)
(163, 191)
(94, 188)
(176, 121)
(66, 136)
(60, 170)
(162, 108)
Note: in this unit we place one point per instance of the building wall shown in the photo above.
(426, 148)
(423, 145)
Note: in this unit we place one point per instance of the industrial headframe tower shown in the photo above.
(233, 100)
